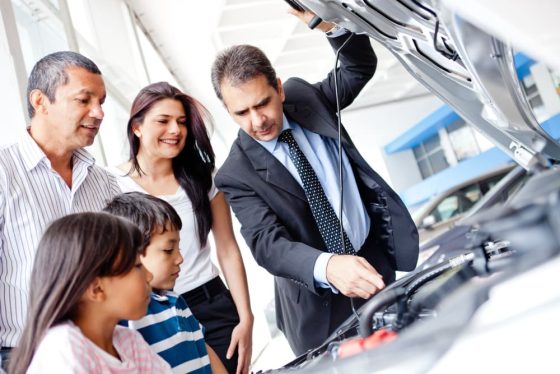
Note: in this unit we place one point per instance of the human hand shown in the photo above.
(306, 16)
(242, 339)
(353, 276)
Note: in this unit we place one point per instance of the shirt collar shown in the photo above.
(33, 155)
(159, 297)
(271, 144)
(165, 297)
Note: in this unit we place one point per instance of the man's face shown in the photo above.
(75, 115)
(256, 106)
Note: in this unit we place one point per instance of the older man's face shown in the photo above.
(76, 114)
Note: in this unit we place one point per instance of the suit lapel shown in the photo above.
(269, 168)
(306, 117)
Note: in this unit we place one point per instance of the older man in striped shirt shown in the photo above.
(47, 174)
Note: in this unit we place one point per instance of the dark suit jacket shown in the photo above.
(276, 219)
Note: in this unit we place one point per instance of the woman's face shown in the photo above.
(163, 132)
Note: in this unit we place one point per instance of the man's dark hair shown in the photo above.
(49, 73)
(239, 64)
(147, 212)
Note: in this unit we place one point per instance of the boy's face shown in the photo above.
(163, 258)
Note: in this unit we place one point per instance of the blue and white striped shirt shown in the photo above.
(174, 333)
(32, 195)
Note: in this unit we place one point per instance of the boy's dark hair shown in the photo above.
(148, 212)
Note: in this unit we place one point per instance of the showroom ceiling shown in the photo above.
(189, 33)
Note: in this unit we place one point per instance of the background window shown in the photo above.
(430, 157)
(463, 140)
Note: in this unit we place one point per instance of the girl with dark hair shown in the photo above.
(87, 276)
(171, 158)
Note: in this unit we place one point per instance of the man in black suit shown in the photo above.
(287, 130)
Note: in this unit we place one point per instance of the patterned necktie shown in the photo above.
(323, 212)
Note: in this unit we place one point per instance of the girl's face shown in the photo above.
(128, 295)
(163, 132)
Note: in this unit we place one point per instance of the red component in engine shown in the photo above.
(378, 337)
(357, 345)
(350, 347)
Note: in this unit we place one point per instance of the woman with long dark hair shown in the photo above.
(87, 276)
(171, 158)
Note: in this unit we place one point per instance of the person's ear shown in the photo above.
(95, 291)
(136, 129)
(38, 101)
(280, 89)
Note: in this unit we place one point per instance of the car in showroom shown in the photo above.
(494, 306)
(442, 211)
(452, 242)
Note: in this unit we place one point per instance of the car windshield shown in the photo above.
(501, 192)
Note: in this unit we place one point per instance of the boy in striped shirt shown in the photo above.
(169, 327)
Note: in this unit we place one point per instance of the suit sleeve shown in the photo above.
(357, 64)
(269, 240)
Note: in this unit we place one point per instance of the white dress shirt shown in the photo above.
(32, 195)
(322, 154)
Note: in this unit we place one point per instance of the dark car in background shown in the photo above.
(455, 240)
(442, 211)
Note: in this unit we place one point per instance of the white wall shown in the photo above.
(373, 128)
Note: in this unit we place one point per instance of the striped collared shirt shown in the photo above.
(174, 333)
(32, 195)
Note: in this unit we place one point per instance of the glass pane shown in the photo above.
(530, 86)
(432, 144)
(533, 79)
(438, 162)
(425, 169)
(418, 151)
(446, 209)
(491, 182)
(463, 142)
(468, 196)
(536, 102)
(39, 33)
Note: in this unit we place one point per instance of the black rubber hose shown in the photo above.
(374, 305)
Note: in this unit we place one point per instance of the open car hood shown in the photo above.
(459, 62)
(465, 310)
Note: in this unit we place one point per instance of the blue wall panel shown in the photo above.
(467, 169)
